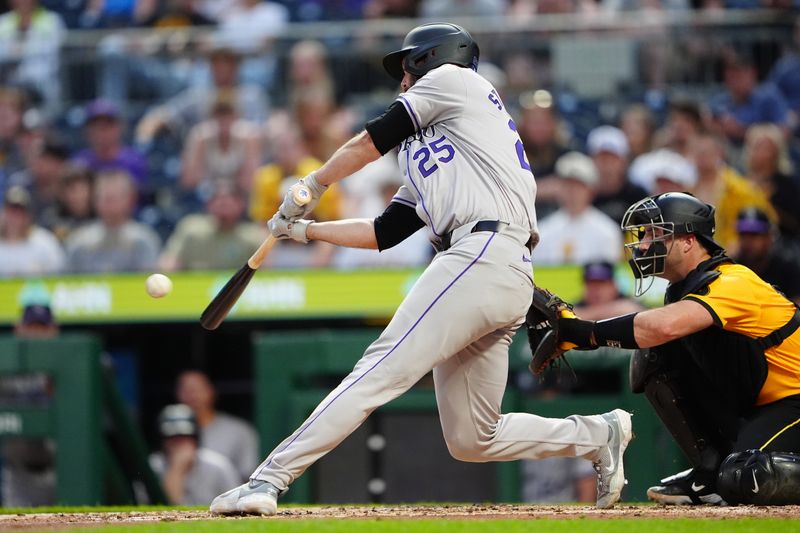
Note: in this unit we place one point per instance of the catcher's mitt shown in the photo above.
(542, 325)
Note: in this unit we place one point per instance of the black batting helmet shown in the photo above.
(432, 45)
(654, 220)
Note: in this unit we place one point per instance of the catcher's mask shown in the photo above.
(650, 225)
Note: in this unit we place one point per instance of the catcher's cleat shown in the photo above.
(254, 497)
(609, 466)
(686, 488)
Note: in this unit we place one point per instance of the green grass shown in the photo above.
(587, 524)
(462, 526)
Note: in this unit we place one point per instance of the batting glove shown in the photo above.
(290, 209)
(282, 228)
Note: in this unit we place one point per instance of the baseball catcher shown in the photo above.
(718, 363)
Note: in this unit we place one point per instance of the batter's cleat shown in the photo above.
(609, 466)
(254, 497)
(686, 488)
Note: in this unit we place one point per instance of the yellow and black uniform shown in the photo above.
(758, 385)
(743, 303)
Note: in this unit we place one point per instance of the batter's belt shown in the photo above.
(494, 226)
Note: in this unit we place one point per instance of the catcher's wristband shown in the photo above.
(616, 332)
(587, 334)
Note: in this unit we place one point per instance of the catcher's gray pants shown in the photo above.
(458, 320)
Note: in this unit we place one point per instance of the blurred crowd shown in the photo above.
(181, 151)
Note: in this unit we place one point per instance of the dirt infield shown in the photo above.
(62, 521)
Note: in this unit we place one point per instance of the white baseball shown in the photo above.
(158, 285)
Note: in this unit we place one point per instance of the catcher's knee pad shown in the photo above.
(644, 363)
(760, 478)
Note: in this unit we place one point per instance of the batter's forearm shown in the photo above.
(353, 233)
(354, 155)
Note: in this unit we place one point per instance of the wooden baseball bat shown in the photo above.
(220, 306)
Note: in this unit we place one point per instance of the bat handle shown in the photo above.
(261, 252)
(301, 196)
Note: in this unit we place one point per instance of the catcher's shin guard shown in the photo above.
(760, 478)
(666, 394)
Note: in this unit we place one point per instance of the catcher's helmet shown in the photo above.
(432, 45)
(654, 220)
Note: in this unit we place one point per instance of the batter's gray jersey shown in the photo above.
(466, 162)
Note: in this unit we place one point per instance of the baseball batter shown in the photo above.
(465, 177)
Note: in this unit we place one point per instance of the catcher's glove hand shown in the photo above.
(542, 325)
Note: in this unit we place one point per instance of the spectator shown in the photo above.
(42, 179)
(215, 10)
(231, 437)
(190, 473)
(768, 166)
(364, 190)
(609, 149)
(224, 148)
(558, 480)
(179, 14)
(322, 125)
(720, 185)
(12, 107)
(251, 28)
(684, 124)
(744, 102)
(118, 13)
(761, 251)
(577, 232)
(192, 106)
(106, 151)
(601, 295)
(415, 251)
(308, 71)
(30, 42)
(218, 239)
(327, 10)
(150, 65)
(26, 249)
(446, 9)
(27, 476)
(544, 139)
(380, 9)
(32, 133)
(74, 207)
(114, 242)
(70, 11)
(638, 125)
(663, 171)
(311, 102)
(785, 76)
(290, 159)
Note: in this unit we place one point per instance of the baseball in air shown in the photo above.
(158, 285)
